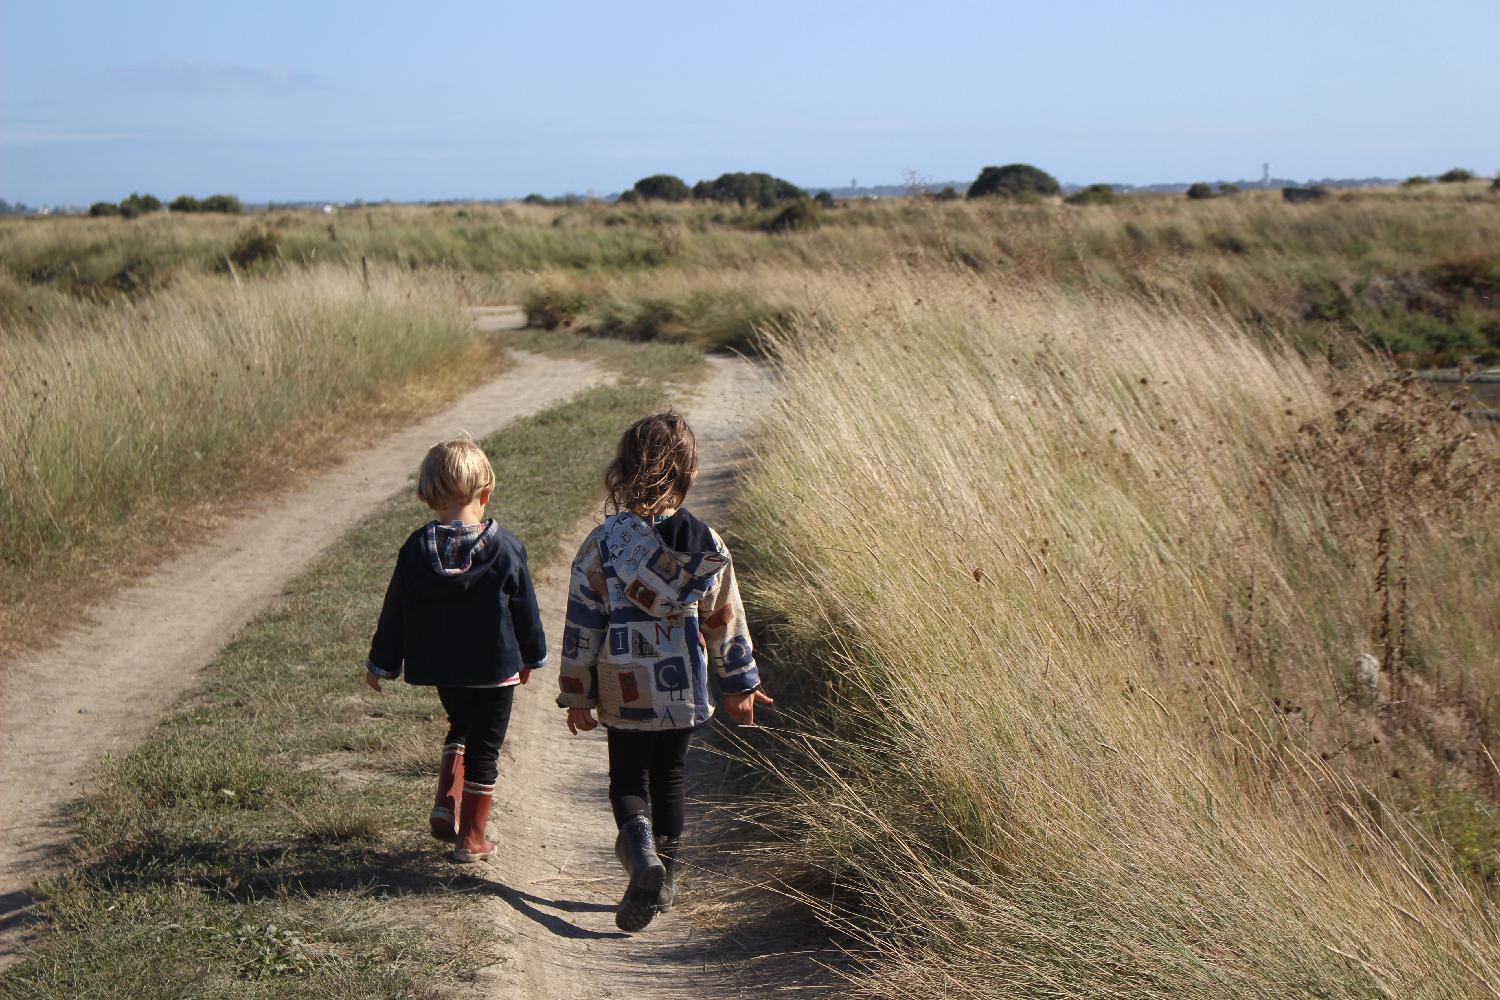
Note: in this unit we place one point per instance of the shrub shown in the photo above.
(1094, 194)
(1200, 191)
(663, 187)
(1013, 179)
(796, 215)
(1456, 176)
(226, 203)
(747, 189)
(1416, 180)
(140, 204)
(103, 208)
(1229, 189)
(824, 199)
(185, 203)
(253, 246)
(628, 198)
(553, 306)
(534, 199)
(948, 193)
(1300, 194)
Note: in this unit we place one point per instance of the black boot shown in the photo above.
(636, 850)
(666, 849)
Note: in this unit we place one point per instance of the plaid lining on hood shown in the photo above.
(452, 548)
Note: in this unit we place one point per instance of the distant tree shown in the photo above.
(1316, 192)
(663, 187)
(226, 203)
(824, 199)
(1094, 194)
(628, 198)
(140, 204)
(1416, 180)
(1200, 191)
(534, 199)
(747, 189)
(1494, 186)
(1226, 188)
(1456, 175)
(185, 203)
(1013, 179)
(947, 194)
(103, 208)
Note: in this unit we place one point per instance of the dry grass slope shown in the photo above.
(1089, 612)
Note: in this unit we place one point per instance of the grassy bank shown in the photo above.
(118, 419)
(269, 840)
(1080, 587)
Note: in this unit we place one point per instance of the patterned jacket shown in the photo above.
(649, 611)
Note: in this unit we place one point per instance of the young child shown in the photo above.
(652, 604)
(460, 614)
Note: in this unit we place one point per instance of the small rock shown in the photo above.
(1367, 670)
(83, 711)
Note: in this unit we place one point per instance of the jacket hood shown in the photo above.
(666, 569)
(455, 556)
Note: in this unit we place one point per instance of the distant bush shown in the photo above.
(226, 203)
(1300, 194)
(1416, 180)
(185, 203)
(796, 215)
(824, 199)
(628, 198)
(534, 199)
(1495, 184)
(253, 246)
(663, 187)
(948, 193)
(748, 189)
(140, 204)
(552, 306)
(1200, 191)
(1094, 194)
(102, 208)
(1013, 179)
(1227, 189)
(1456, 175)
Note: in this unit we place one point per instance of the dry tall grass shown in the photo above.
(116, 410)
(1088, 604)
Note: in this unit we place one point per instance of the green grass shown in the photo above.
(269, 840)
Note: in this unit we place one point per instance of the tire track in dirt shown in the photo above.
(106, 683)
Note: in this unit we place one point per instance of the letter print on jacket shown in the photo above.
(650, 612)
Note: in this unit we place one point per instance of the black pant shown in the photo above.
(478, 718)
(660, 756)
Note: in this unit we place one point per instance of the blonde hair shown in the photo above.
(654, 465)
(454, 471)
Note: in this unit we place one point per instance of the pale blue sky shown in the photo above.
(335, 99)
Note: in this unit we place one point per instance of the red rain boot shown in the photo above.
(473, 816)
(444, 817)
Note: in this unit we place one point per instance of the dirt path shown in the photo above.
(556, 890)
(105, 684)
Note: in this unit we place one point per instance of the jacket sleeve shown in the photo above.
(727, 636)
(583, 633)
(526, 618)
(387, 647)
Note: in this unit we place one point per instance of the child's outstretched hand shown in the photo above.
(580, 720)
(741, 707)
(371, 681)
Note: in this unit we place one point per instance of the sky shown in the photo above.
(337, 100)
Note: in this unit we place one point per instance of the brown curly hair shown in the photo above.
(654, 465)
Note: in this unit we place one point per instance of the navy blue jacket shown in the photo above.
(471, 628)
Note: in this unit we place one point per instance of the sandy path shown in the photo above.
(106, 684)
(556, 887)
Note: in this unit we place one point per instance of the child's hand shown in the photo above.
(580, 720)
(741, 707)
(525, 674)
(371, 681)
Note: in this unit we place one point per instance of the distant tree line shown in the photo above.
(758, 189)
(143, 204)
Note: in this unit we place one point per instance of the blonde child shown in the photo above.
(652, 606)
(460, 615)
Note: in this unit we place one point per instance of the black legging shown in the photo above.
(659, 756)
(478, 718)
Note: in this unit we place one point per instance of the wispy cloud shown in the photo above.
(197, 76)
